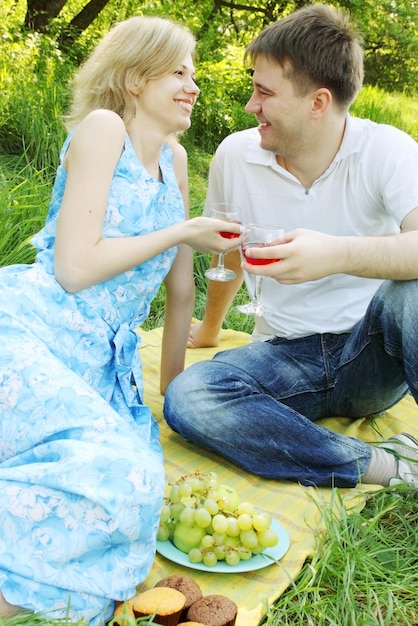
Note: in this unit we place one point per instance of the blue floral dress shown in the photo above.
(81, 469)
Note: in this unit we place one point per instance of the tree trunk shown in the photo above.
(80, 22)
(39, 13)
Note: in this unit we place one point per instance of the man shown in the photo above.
(342, 337)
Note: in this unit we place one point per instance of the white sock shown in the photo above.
(382, 467)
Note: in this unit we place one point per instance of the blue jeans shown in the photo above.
(257, 404)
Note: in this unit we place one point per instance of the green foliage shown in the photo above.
(225, 88)
(390, 32)
(33, 79)
(35, 74)
(398, 109)
(24, 198)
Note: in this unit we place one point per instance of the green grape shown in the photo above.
(261, 520)
(258, 549)
(245, 553)
(249, 539)
(165, 513)
(219, 538)
(176, 509)
(245, 507)
(186, 516)
(245, 521)
(163, 532)
(232, 557)
(229, 498)
(209, 559)
(219, 523)
(195, 555)
(202, 517)
(233, 542)
(185, 489)
(211, 506)
(195, 483)
(268, 538)
(212, 484)
(174, 494)
(220, 552)
(233, 529)
(171, 524)
(207, 541)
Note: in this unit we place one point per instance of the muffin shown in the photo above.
(186, 585)
(214, 610)
(165, 603)
(190, 624)
(124, 615)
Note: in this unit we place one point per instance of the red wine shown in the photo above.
(252, 260)
(226, 235)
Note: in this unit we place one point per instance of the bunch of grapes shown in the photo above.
(207, 521)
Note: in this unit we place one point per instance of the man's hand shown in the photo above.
(306, 255)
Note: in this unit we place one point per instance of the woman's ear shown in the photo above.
(133, 88)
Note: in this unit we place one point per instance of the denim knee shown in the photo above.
(178, 393)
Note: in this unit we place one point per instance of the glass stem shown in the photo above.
(257, 288)
(221, 261)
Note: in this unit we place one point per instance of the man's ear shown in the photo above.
(321, 101)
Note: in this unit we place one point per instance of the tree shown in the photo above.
(41, 13)
(389, 27)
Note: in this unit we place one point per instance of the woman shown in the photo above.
(81, 470)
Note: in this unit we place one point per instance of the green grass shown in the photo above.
(396, 109)
(365, 568)
(24, 198)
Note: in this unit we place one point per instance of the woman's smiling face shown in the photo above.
(169, 100)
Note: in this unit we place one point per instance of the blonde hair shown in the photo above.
(134, 51)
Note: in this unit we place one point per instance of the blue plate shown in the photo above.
(258, 561)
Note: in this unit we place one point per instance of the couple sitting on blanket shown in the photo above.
(340, 337)
(81, 465)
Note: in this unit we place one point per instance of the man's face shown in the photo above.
(283, 116)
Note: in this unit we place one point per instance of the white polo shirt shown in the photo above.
(369, 188)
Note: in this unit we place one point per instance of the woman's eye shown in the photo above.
(179, 72)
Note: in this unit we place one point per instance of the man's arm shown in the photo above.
(205, 334)
(311, 255)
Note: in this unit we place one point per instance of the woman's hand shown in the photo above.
(203, 234)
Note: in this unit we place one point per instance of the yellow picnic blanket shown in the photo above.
(296, 507)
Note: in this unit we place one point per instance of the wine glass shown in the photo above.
(227, 213)
(259, 236)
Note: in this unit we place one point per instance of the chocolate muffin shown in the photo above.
(214, 610)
